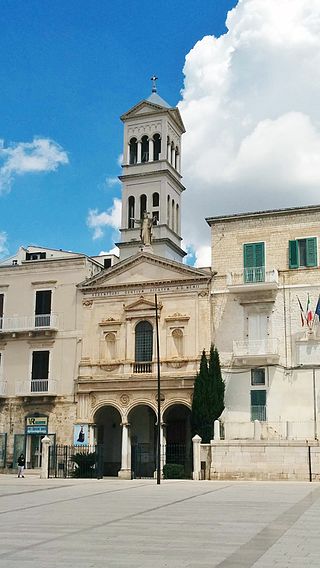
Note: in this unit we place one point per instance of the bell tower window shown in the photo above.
(131, 212)
(144, 149)
(143, 205)
(156, 147)
(133, 151)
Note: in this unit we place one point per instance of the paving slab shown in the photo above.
(114, 523)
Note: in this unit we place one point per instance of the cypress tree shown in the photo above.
(217, 386)
(208, 396)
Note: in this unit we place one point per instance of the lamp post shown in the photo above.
(158, 388)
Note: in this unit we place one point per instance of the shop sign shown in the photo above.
(37, 425)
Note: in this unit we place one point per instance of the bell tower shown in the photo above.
(151, 178)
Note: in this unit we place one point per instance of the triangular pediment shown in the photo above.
(141, 304)
(145, 108)
(144, 268)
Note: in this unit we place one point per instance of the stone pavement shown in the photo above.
(114, 523)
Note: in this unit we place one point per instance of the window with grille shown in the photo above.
(143, 342)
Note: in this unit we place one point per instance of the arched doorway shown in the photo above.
(178, 444)
(143, 436)
(108, 424)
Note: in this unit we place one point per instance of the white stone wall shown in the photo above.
(259, 460)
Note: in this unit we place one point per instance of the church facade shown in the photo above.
(117, 383)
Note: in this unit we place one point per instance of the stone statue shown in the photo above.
(145, 228)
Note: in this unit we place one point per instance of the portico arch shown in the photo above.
(143, 434)
(109, 435)
(177, 435)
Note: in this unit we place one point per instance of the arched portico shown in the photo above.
(176, 437)
(108, 427)
(143, 434)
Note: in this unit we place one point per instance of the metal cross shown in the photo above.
(154, 86)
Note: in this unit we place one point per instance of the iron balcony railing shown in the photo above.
(252, 276)
(36, 387)
(27, 323)
(142, 367)
(259, 412)
(269, 346)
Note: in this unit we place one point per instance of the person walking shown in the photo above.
(21, 464)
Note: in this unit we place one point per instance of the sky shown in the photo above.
(245, 76)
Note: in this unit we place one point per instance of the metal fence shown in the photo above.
(75, 461)
(3, 450)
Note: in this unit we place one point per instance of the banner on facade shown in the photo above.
(37, 425)
(80, 435)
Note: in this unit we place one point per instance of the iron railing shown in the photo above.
(252, 276)
(29, 323)
(259, 412)
(142, 367)
(76, 461)
(36, 386)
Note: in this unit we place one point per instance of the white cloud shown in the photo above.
(112, 181)
(40, 155)
(251, 109)
(3, 243)
(114, 250)
(110, 218)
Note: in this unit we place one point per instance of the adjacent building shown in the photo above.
(266, 264)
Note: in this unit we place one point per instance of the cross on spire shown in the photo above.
(154, 85)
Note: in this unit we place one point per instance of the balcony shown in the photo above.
(256, 351)
(37, 387)
(251, 279)
(36, 324)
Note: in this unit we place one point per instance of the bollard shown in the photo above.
(45, 458)
(196, 475)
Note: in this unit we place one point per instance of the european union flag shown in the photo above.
(317, 310)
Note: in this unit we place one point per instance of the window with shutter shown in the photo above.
(40, 371)
(1, 309)
(43, 308)
(254, 262)
(303, 252)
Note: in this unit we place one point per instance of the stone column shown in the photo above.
(150, 149)
(196, 475)
(173, 156)
(178, 162)
(139, 152)
(125, 471)
(128, 154)
(169, 152)
(44, 474)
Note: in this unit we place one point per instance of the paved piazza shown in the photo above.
(113, 523)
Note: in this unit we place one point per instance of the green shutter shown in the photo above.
(259, 255)
(293, 254)
(258, 397)
(311, 246)
(248, 255)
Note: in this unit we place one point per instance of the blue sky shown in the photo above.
(68, 71)
(245, 76)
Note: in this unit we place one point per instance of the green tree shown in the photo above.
(208, 396)
(216, 382)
